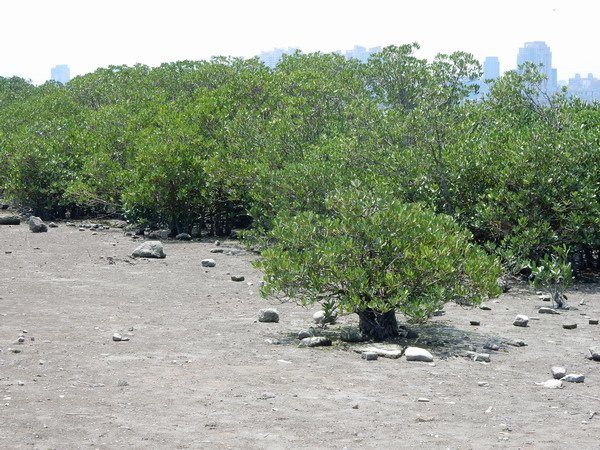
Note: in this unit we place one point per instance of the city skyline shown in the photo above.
(92, 34)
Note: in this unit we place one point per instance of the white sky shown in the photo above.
(36, 35)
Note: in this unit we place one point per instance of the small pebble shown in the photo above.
(593, 321)
(569, 326)
(423, 400)
(475, 323)
(237, 278)
(558, 372)
(369, 356)
(117, 337)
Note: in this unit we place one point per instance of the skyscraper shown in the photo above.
(539, 54)
(491, 68)
(60, 73)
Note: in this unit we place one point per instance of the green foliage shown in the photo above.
(554, 273)
(370, 252)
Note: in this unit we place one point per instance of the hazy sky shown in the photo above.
(36, 35)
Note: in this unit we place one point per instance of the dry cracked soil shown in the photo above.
(199, 370)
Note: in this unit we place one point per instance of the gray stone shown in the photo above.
(482, 357)
(268, 315)
(237, 278)
(183, 237)
(315, 341)
(491, 346)
(475, 323)
(558, 372)
(521, 321)
(9, 220)
(418, 354)
(208, 263)
(594, 353)
(351, 334)
(593, 321)
(574, 378)
(569, 326)
(217, 243)
(547, 310)
(149, 249)
(306, 333)
(36, 225)
(117, 337)
(216, 250)
(485, 307)
(369, 356)
(545, 297)
(53, 225)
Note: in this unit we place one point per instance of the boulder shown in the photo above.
(594, 354)
(268, 315)
(150, 249)
(521, 321)
(315, 341)
(9, 220)
(36, 225)
(418, 354)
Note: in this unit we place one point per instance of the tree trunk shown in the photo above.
(378, 326)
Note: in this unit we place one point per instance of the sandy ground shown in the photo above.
(199, 372)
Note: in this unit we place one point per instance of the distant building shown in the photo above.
(491, 71)
(587, 89)
(539, 54)
(361, 53)
(272, 58)
(60, 73)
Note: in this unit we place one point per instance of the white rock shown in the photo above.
(208, 263)
(521, 321)
(558, 372)
(418, 354)
(551, 384)
(546, 310)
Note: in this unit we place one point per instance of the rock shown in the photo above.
(391, 351)
(237, 278)
(521, 321)
(156, 235)
(268, 315)
(423, 400)
(149, 249)
(306, 333)
(475, 323)
(217, 243)
(503, 284)
(517, 343)
(183, 237)
(36, 225)
(122, 383)
(266, 396)
(574, 378)
(558, 372)
(208, 263)
(547, 310)
(216, 250)
(10, 220)
(418, 354)
(491, 346)
(320, 318)
(21, 339)
(594, 353)
(351, 334)
(315, 341)
(569, 326)
(485, 307)
(117, 337)
(482, 357)
(593, 321)
(53, 225)
(369, 356)
(551, 384)
(545, 297)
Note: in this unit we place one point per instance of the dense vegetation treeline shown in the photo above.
(219, 143)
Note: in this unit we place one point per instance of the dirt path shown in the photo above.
(198, 371)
